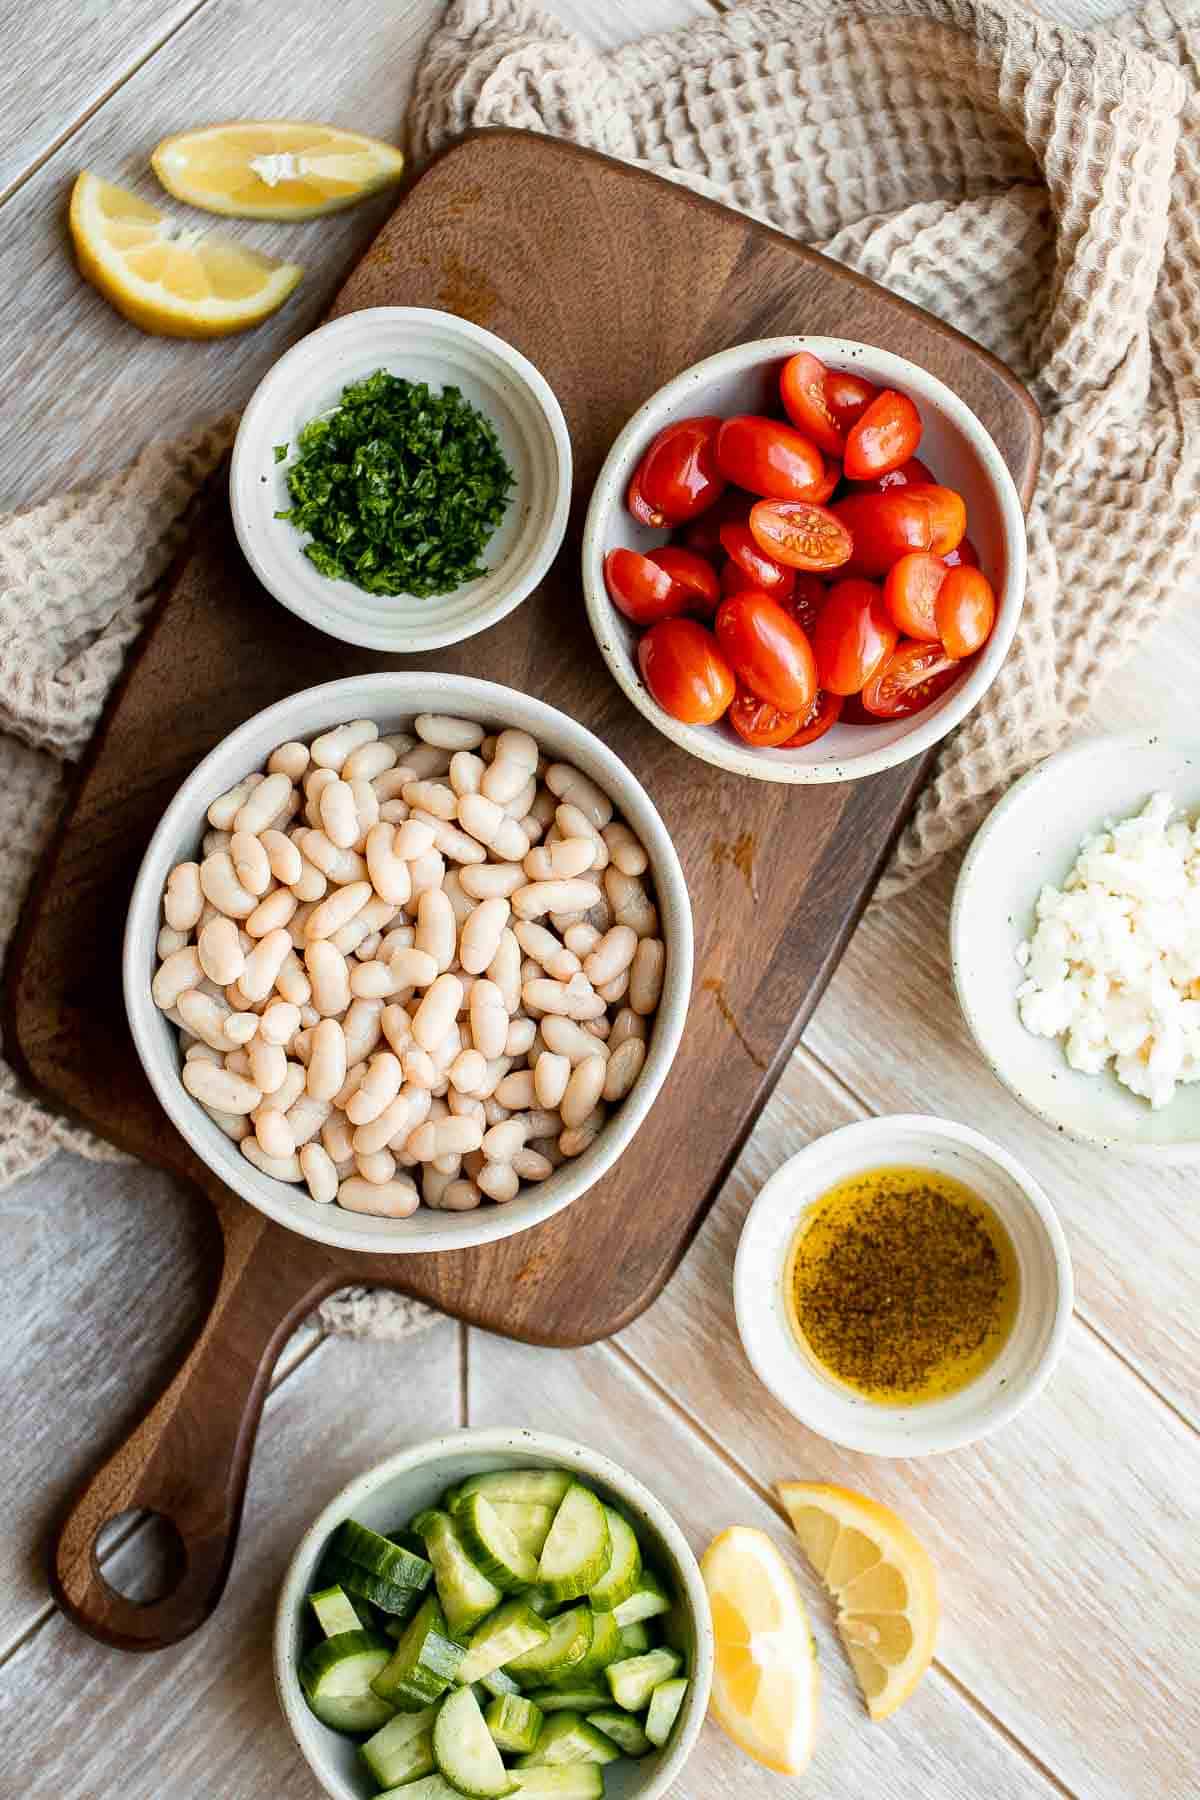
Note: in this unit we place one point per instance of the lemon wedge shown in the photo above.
(766, 1679)
(882, 1579)
(171, 280)
(274, 168)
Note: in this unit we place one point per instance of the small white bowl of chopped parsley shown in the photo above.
(401, 479)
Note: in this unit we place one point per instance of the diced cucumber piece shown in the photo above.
(433, 1787)
(499, 1682)
(624, 1570)
(336, 1611)
(380, 1556)
(665, 1703)
(424, 1662)
(492, 1547)
(562, 1781)
(450, 1496)
(604, 1648)
(464, 1751)
(510, 1631)
(634, 1680)
(540, 1600)
(568, 1738)
(569, 1641)
(466, 1594)
(357, 1581)
(402, 1751)
(515, 1723)
(578, 1550)
(635, 1638)
(336, 1677)
(538, 1487)
(585, 1698)
(648, 1599)
(622, 1728)
(529, 1523)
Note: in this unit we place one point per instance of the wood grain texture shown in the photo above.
(937, 1745)
(1063, 1543)
(203, 1719)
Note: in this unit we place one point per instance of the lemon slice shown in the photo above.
(882, 1579)
(274, 168)
(765, 1683)
(166, 278)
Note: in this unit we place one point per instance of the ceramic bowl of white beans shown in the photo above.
(407, 961)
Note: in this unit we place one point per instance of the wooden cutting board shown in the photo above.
(611, 280)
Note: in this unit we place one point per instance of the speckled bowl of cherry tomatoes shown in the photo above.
(804, 559)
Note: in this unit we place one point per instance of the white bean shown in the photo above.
(337, 910)
(448, 734)
(311, 883)
(627, 1024)
(369, 761)
(572, 786)
(263, 965)
(268, 1064)
(287, 1093)
(169, 941)
(261, 807)
(521, 1034)
(450, 841)
(274, 1134)
(251, 864)
(433, 798)
(279, 1023)
(389, 872)
(444, 1137)
(627, 851)
(239, 1028)
(280, 1168)
(220, 951)
(612, 955)
(516, 1090)
(460, 1196)
(560, 861)
(437, 1012)
(183, 901)
(502, 1142)
(178, 972)
(551, 1074)
(568, 1039)
(332, 748)
(515, 760)
(234, 1125)
(204, 1017)
(327, 1060)
(213, 842)
(480, 939)
(218, 879)
(329, 977)
(340, 866)
(572, 822)
(289, 759)
(426, 873)
(574, 999)
(583, 1091)
(541, 897)
(395, 1199)
(413, 839)
(466, 772)
(546, 949)
(293, 984)
(317, 1167)
(499, 1181)
(339, 815)
(336, 1137)
(397, 1121)
(362, 1028)
(489, 1019)
(420, 1068)
(225, 808)
(437, 933)
(631, 904)
(581, 939)
(397, 1028)
(377, 1089)
(220, 1088)
(272, 914)
(646, 976)
(488, 822)
(379, 1167)
(307, 1116)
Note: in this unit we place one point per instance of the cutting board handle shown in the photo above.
(188, 1459)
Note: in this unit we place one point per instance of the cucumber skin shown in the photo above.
(441, 1538)
(638, 1676)
(432, 1787)
(579, 1741)
(380, 1557)
(477, 1523)
(665, 1704)
(604, 1648)
(571, 1699)
(423, 1664)
(648, 1600)
(573, 1582)
(551, 1781)
(512, 1620)
(624, 1571)
(413, 1732)
(515, 1724)
(448, 1736)
(537, 1664)
(402, 1602)
(324, 1657)
(499, 1682)
(622, 1728)
(545, 1487)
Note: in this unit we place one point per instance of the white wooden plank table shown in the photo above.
(1066, 1545)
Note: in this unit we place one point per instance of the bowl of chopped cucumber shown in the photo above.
(493, 1613)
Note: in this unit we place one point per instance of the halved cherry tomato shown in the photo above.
(703, 533)
(759, 722)
(913, 473)
(882, 528)
(848, 396)
(805, 601)
(802, 389)
(966, 611)
(761, 571)
(691, 572)
(640, 589)
(768, 651)
(852, 637)
(886, 436)
(949, 511)
(913, 675)
(682, 665)
(677, 476)
(800, 535)
(769, 458)
(822, 715)
(965, 557)
(910, 591)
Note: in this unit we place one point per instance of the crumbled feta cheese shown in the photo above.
(1113, 966)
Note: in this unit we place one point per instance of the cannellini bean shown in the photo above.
(175, 975)
(239, 1028)
(234, 1125)
(434, 1184)
(339, 866)
(362, 1028)
(311, 883)
(546, 950)
(623, 1068)
(541, 897)
(420, 1068)
(551, 1074)
(461, 903)
(466, 772)
(486, 881)
(433, 799)
(581, 939)
(614, 991)
(450, 841)
(268, 1064)
(377, 1089)
(516, 1090)
(448, 734)
(631, 905)
(251, 864)
(349, 1087)
(374, 980)
(612, 955)
(437, 932)
(514, 761)
(566, 1038)
(219, 948)
(499, 1181)
(572, 786)
(517, 807)
(437, 1012)
(307, 1116)
(274, 1134)
(489, 1019)
(505, 971)
(627, 852)
(220, 1088)
(444, 1137)
(293, 984)
(395, 1199)
(460, 1196)
(626, 1025)
(309, 1016)
(339, 815)
(488, 822)
(396, 1122)
(397, 1028)
(575, 999)
(272, 914)
(288, 1092)
(426, 874)
(389, 872)
(583, 1091)
(263, 964)
(336, 1137)
(414, 839)
(183, 901)
(279, 1023)
(317, 1167)
(332, 748)
(501, 1142)
(480, 939)
(560, 861)
(225, 808)
(646, 976)
(519, 1041)
(468, 1071)
(572, 822)
(259, 809)
(218, 879)
(213, 842)
(576, 1139)
(327, 1060)
(531, 1165)
(289, 759)
(337, 910)
(379, 1167)
(466, 1106)
(390, 786)
(168, 941)
(369, 761)
(204, 1017)
(238, 1063)
(282, 1168)
(329, 977)
(368, 950)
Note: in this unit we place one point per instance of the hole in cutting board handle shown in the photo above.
(140, 1555)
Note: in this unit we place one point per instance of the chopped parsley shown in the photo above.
(399, 488)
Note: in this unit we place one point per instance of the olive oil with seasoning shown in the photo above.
(902, 1284)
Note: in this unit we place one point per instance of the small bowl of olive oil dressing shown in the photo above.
(903, 1286)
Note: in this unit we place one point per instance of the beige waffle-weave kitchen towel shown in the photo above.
(1035, 185)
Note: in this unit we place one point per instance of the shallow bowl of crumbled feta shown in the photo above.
(1075, 944)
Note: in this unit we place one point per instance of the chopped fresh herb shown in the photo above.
(400, 488)
(281, 451)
